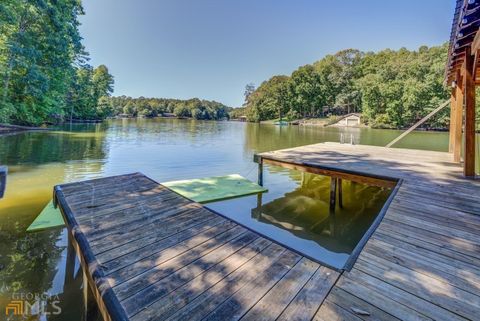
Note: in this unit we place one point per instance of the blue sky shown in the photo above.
(212, 48)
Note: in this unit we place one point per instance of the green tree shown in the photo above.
(152, 107)
(102, 82)
(249, 89)
(392, 88)
(42, 62)
(40, 42)
(270, 100)
(308, 97)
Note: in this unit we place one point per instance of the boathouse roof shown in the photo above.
(465, 25)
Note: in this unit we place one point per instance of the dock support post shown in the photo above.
(70, 263)
(260, 172)
(458, 118)
(85, 293)
(259, 200)
(257, 212)
(333, 194)
(340, 193)
(91, 310)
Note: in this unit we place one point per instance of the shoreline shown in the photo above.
(9, 129)
(324, 123)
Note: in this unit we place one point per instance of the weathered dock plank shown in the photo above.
(422, 262)
(150, 254)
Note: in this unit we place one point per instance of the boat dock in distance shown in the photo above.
(150, 254)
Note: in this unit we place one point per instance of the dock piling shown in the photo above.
(260, 172)
(333, 194)
(340, 193)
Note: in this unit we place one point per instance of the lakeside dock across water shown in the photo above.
(150, 254)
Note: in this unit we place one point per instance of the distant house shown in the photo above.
(349, 120)
(242, 118)
(335, 110)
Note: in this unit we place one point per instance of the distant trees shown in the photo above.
(400, 87)
(43, 71)
(392, 88)
(152, 107)
(88, 93)
(270, 99)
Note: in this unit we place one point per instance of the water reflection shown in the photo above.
(299, 216)
(36, 148)
(34, 264)
(260, 138)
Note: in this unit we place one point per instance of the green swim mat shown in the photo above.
(49, 217)
(204, 190)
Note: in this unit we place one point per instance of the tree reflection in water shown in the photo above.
(35, 263)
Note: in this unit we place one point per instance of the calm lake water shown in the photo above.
(170, 150)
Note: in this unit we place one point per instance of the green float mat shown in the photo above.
(49, 217)
(204, 190)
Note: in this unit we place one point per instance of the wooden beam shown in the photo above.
(453, 104)
(340, 193)
(367, 180)
(69, 264)
(475, 64)
(469, 89)
(476, 42)
(457, 130)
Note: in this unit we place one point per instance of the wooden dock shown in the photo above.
(150, 254)
(423, 261)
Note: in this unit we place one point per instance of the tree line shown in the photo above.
(391, 88)
(153, 107)
(44, 71)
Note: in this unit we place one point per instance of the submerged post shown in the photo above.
(340, 193)
(259, 200)
(333, 194)
(69, 263)
(260, 171)
(453, 104)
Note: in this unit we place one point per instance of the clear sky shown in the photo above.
(212, 48)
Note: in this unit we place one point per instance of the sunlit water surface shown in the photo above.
(295, 210)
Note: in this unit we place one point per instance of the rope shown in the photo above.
(421, 121)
